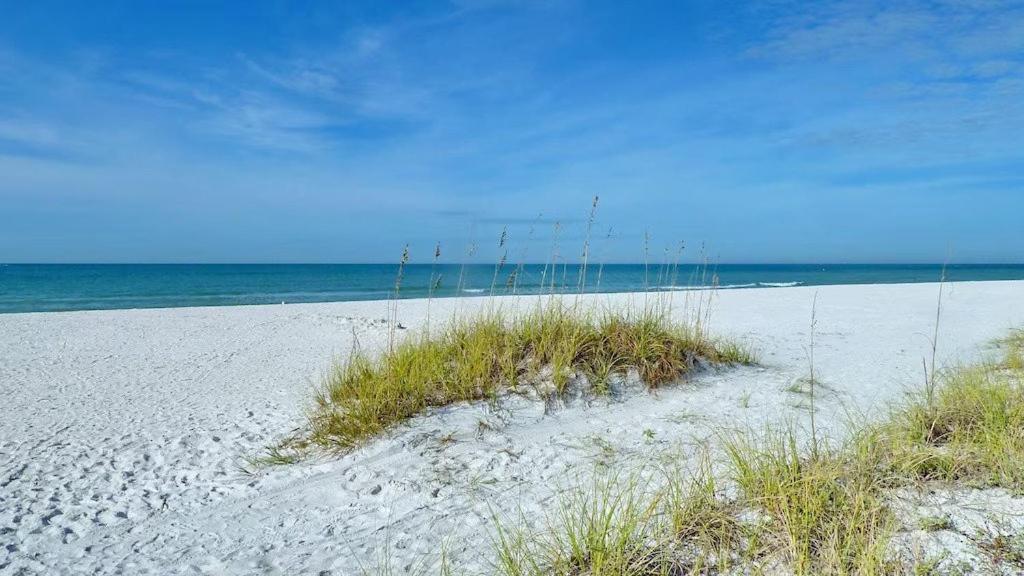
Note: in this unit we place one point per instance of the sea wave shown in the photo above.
(712, 287)
(734, 286)
(474, 290)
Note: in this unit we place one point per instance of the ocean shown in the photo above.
(60, 287)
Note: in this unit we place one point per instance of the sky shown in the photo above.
(273, 131)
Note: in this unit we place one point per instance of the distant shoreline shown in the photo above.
(481, 300)
(76, 287)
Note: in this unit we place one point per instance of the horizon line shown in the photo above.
(509, 264)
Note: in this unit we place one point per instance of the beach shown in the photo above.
(126, 433)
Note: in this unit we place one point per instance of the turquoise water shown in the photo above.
(53, 287)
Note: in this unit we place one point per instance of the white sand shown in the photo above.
(123, 432)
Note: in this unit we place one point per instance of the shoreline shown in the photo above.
(472, 297)
(130, 425)
(28, 288)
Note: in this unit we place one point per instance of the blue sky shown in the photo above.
(339, 131)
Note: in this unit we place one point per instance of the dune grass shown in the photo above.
(478, 357)
(971, 431)
(1013, 348)
(774, 507)
(777, 505)
(601, 530)
(821, 511)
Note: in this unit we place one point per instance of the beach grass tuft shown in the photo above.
(971, 432)
(611, 526)
(821, 510)
(1013, 350)
(775, 506)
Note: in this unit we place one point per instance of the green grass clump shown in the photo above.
(1013, 348)
(821, 513)
(804, 514)
(616, 527)
(972, 431)
(705, 527)
(604, 529)
(935, 523)
(473, 359)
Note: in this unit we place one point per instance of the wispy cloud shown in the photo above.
(27, 133)
(932, 79)
(932, 39)
(25, 137)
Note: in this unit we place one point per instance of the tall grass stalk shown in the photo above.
(929, 376)
(521, 266)
(647, 243)
(674, 280)
(600, 266)
(470, 252)
(663, 269)
(504, 257)
(399, 275)
(811, 377)
(585, 256)
(433, 285)
(552, 262)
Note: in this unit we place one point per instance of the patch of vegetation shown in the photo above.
(972, 431)
(477, 358)
(783, 507)
(624, 527)
(1013, 350)
(601, 530)
(282, 454)
(812, 515)
(823, 513)
(930, 566)
(1004, 550)
(935, 523)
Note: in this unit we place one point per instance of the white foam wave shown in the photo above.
(733, 286)
(721, 287)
